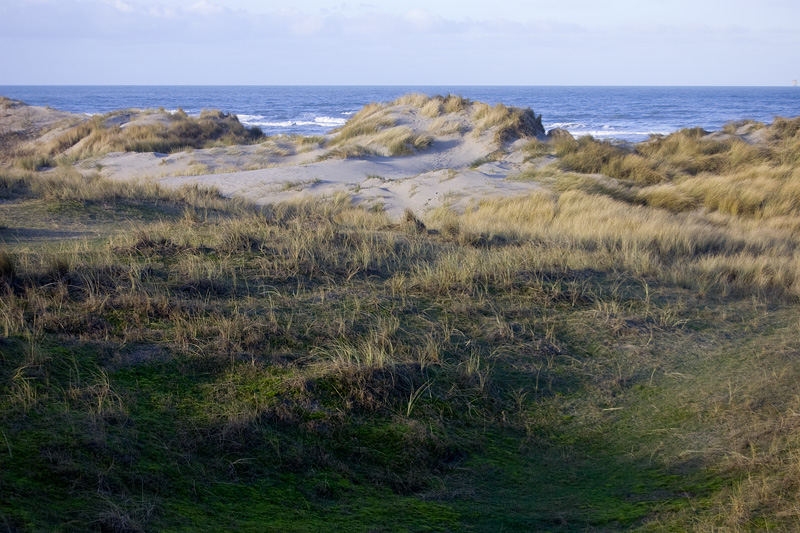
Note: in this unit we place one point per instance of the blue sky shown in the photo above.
(437, 42)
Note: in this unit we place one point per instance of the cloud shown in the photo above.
(203, 41)
(205, 8)
(421, 19)
(120, 21)
(122, 6)
(113, 21)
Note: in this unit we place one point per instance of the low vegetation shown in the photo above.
(377, 128)
(687, 170)
(613, 351)
(165, 133)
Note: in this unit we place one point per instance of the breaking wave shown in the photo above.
(318, 122)
(578, 129)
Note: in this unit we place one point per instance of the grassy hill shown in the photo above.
(615, 351)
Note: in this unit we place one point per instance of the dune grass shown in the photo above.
(610, 352)
(375, 128)
(372, 131)
(175, 132)
(684, 170)
(509, 123)
(632, 361)
(434, 106)
(402, 140)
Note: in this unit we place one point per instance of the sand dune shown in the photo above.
(449, 170)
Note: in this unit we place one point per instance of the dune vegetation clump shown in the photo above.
(412, 122)
(508, 122)
(370, 120)
(434, 106)
(690, 168)
(374, 131)
(153, 132)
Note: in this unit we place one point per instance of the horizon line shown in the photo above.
(367, 85)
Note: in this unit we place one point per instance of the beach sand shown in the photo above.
(457, 168)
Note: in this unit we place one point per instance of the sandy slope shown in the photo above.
(28, 120)
(22, 124)
(438, 175)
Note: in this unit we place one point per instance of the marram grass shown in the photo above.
(610, 352)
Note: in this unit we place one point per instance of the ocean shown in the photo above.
(625, 113)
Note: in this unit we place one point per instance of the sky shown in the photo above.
(410, 42)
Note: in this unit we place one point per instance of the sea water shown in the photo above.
(625, 113)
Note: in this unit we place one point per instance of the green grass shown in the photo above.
(602, 354)
(244, 366)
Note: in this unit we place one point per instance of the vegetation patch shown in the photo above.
(609, 352)
(169, 133)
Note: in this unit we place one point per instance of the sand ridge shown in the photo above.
(463, 162)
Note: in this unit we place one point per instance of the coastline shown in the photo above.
(627, 113)
(462, 164)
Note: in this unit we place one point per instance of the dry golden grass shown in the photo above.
(666, 196)
(686, 152)
(446, 126)
(434, 106)
(359, 127)
(684, 170)
(369, 120)
(454, 103)
(509, 123)
(592, 157)
(401, 140)
(372, 131)
(415, 100)
(348, 151)
(731, 128)
(785, 129)
(374, 127)
(66, 184)
(591, 231)
(432, 109)
(537, 148)
(177, 132)
(488, 116)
